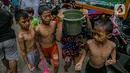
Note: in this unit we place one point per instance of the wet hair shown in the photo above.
(106, 23)
(42, 8)
(20, 13)
(30, 10)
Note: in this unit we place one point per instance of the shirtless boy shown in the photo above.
(27, 39)
(99, 49)
(47, 32)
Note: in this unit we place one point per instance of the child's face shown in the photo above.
(46, 17)
(30, 15)
(99, 34)
(24, 23)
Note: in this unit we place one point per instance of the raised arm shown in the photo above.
(88, 23)
(60, 27)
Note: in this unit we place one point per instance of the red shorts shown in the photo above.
(52, 53)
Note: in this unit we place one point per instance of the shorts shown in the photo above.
(8, 50)
(90, 69)
(34, 58)
(52, 53)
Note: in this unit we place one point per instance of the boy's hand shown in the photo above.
(110, 62)
(84, 11)
(78, 66)
(30, 67)
(60, 16)
(41, 56)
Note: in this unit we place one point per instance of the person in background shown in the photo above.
(31, 3)
(71, 50)
(6, 4)
(34, 21)
(16, 4)
(8, 43)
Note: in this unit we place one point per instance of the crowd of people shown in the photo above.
(40, 30)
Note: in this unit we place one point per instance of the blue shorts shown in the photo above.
(33, 58)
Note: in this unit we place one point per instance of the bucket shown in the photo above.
(73, 20)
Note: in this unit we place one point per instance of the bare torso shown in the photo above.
(99, 55)
(29, 40)
(47, 33)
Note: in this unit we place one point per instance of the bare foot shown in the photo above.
(39, 68)
(50, 68)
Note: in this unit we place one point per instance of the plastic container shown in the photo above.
(73, 20)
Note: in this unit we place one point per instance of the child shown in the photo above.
(34, 21)
(47, 31)
(27, 39)
(31, 3)
(71, 51)
(99, 49)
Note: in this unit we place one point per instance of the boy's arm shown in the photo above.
(113, 54)
(38, 40)
(37, 37)
(22, 48)
(79, 64)
(60, 26)
(59, 31)
(88, 23)
(83, 56)
(85, 50)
